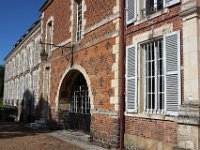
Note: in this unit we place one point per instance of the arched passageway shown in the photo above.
(74, 102)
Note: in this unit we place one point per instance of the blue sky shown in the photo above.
(16, 17)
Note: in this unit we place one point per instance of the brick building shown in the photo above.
(80, 77)
(162, 79)
(22, 67)
(91, 56)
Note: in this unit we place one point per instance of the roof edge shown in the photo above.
(36, 24)
(45, 5)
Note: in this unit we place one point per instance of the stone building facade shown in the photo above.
(80, 77)
(22, 70)
(162, 79)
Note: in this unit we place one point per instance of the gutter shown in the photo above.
(122, 72)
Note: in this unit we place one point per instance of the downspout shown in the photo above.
(122, 72)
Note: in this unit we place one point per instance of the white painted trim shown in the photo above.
(135, 13)
(50, 19)
(144, 37)
(170, 3)
(135, 77)
(178, 72)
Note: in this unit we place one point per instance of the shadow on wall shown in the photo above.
(30, 110)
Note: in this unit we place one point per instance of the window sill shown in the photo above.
(151, 116)
(152, 16)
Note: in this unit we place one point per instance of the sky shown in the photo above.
(16, 16)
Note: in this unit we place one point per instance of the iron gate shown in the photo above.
(80, 106)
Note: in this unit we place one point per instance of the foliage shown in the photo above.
(1, 101)
(7, 113)
(43, 53)
(2, 70)
(8, 110)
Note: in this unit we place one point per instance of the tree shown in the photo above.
(2, 71)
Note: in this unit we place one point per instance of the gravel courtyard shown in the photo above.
(14, 136)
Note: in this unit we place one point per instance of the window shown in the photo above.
(28, 57)
(79, 19)
(13, 67)
(22, 62)
(49, 35)
(152, 6)
(22, 87)
(80, 101)
(35, 85)
(131, 12)
(161, 79)
(37, 50)
(154, 76)
(147, 8)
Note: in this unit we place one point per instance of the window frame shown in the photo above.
(168, 110)
(50, 28)
(157, 104)
(144, 10)
(79, 32)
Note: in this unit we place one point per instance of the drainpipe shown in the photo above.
(122, 72)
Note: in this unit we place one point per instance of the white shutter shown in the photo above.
(172, 72)
(131, 78)
(168, 3)
(131, 12)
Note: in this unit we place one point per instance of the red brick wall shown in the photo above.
(60, 10)
(153, 129)
(97, 60)
(98, 10)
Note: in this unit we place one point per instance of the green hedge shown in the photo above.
(1, 101)
(8, 111)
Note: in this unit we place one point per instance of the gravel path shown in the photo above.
(14, 136)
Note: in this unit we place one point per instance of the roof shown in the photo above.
(45, 5)
(22, 38)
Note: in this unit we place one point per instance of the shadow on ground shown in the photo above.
(15, 129)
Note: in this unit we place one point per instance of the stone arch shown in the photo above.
(72, 72)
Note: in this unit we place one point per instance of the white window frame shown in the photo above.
(174, 111)
(165, 5)
(37, 51)
(79, 27)
(155, 6)
(48, 48)
(156, 78)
